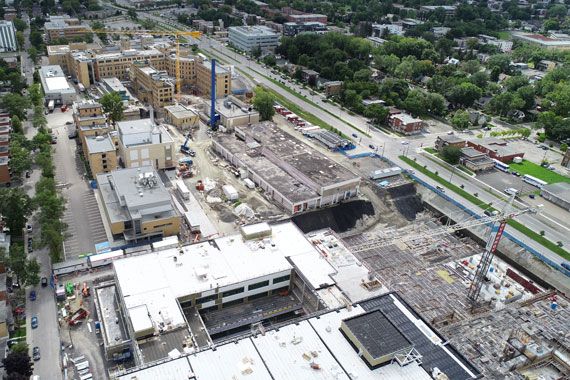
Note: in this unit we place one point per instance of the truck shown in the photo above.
(76, 317)
(51, 105)
(385, 173)
(182, 189)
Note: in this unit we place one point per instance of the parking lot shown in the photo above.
(84, 224)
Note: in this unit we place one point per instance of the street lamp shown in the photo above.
(452, 173)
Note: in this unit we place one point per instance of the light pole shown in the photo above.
(452, 173)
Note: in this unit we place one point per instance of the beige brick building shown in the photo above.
(90, 121)
(101, 154)
(151, 85)
(143, 143)
(181, 117)
(65, 27)
(203, 79)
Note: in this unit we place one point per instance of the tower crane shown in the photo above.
(176, 34)
(498, 223)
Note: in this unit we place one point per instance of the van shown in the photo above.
(511, 191)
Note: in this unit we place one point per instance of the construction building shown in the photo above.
(495, 148)
(557, 193)
(65, 27)
(55, 85)
(233, 113)
(136, 205)
(249, 38)
(8, 36)
(143, 143)
(101, 154)
(204, 79)
(152, 86)
(181, 116)
(291, 173)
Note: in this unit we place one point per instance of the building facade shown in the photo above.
(55, 85)
(8, 36)
(90, 121)
(143, 143)
(182, 117)
(101, 154)
(496, 148)
(151, 85)
(406, 124)
(248, 38)
(204, 79)
(65, 27)
(136, 204)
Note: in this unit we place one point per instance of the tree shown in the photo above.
(19, 24)
(270, 60)
(18, 363)
(132, 14)
(17, 125)
(557, 11)
(20, 39)
(16, 206)
(20, 159)
(461, 120)
(465, 94)
(377, 113)
(415, 103)
(256, 52)
(263, 103)
(27, 271)
(15, 104)
(33, 54)
(451, 154)
(113, 105)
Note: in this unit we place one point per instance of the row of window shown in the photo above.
(235, 291)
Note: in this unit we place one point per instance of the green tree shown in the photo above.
(33, 54)
(132, 14)
(15, 104)
(36, 94)
(270, 60)
(557, 11)
(19, 24)
(17, 125)
(461, 120)
(16, 206)
(20, 39)
(451, 154)
(113, 105)
(256, 52)
(20, 159)
(563, 147)
(27, 270)
(464, 95)
(18, 363)
(435, 104)
(263, 103)
(415, 102)
(377, 113)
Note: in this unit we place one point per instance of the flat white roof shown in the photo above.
(140, 318)
(231, 361)
(57, 84)
(178, 369)
(290, 351)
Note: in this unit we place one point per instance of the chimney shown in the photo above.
(151, 114)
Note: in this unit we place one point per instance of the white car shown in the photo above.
(511, 191)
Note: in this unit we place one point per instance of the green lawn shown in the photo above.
(430, 150)
(527, 167)
(505, 35)
(479, 203)
(19, 332)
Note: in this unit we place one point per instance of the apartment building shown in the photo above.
(90, 121)
(151, 85)
(7, 36)
(65, 27)
(203, 79)
(136, 204)
(143, 143)
(101, 153)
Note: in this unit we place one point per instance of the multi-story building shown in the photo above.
(203, 79)
(151, 85)
(65, 27)
(114, 85)
(307, 17)
(55, 85)
(333, 88)
(5, 176)
(248, 38)
(136, 204)
(475, 160)
(290, 172)
(7, 36)
(448, 140)
(101, 153)
(406, 124)
(182, 117)
(143, 143)
(496, 148)
(90, 121)
(233, 113)
(293, 28)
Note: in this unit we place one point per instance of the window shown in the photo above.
(232, 292)
(281, 279)
(231, 303)
(256, 296)
(258, 285)
(205, 299)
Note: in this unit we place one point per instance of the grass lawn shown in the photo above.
(530, 168)
(19, 332)
(431, 150)
(505, 35)
(479, 203)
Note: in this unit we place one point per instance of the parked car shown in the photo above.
(68, 122)
(405, 142)
(34, 322)
(440, 189)
(511, 191)
(36, 353)
(33, 295)
(72, 135)
(371, 146)
(44, 282)
(29, 227)
(354, 135)
(27, 174)
(532, 196)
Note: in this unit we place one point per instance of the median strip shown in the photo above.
(485, 206)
